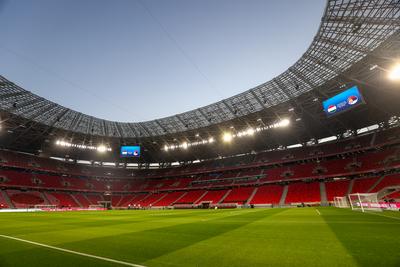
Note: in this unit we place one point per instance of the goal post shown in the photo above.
(341, 202)
(364, 202)
(46, 207)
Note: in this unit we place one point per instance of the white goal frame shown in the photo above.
(96, 206)
(341, 202)
(46, 207)
(364, 202)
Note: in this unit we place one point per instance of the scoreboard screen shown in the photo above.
(130, 151)
(343, 101)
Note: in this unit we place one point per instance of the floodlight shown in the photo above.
(394, 73)
(250, 131)
(166, 148)
(184, 145)
(373, 67)
(101, 148)
(227, 137)
(284, 123)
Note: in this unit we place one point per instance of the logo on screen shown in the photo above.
(331, 108)
(352, 100)
(130, 151)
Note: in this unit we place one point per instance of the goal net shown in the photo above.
(341, 202)
(46, 207)
(364, 202)
(94, 207)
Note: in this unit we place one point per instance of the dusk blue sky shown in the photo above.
(139, 60)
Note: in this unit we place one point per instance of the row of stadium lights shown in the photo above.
(186, 145)
(227, 137)
(99, 148)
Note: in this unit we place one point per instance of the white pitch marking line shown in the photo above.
(396, 218)
(319, 213)
(73, 252)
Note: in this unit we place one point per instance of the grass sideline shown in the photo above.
(248, 237)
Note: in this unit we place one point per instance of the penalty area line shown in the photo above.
(72, 251)
(319, 213)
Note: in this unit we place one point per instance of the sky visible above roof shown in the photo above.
(147, 59)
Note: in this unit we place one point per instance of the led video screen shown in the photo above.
(344, 101)
(130, 151)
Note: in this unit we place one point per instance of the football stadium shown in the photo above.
(298, 169)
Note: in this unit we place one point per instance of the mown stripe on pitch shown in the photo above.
(72, 251)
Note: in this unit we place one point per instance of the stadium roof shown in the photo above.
(349, 32)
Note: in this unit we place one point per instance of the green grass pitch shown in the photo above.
(241, 237)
